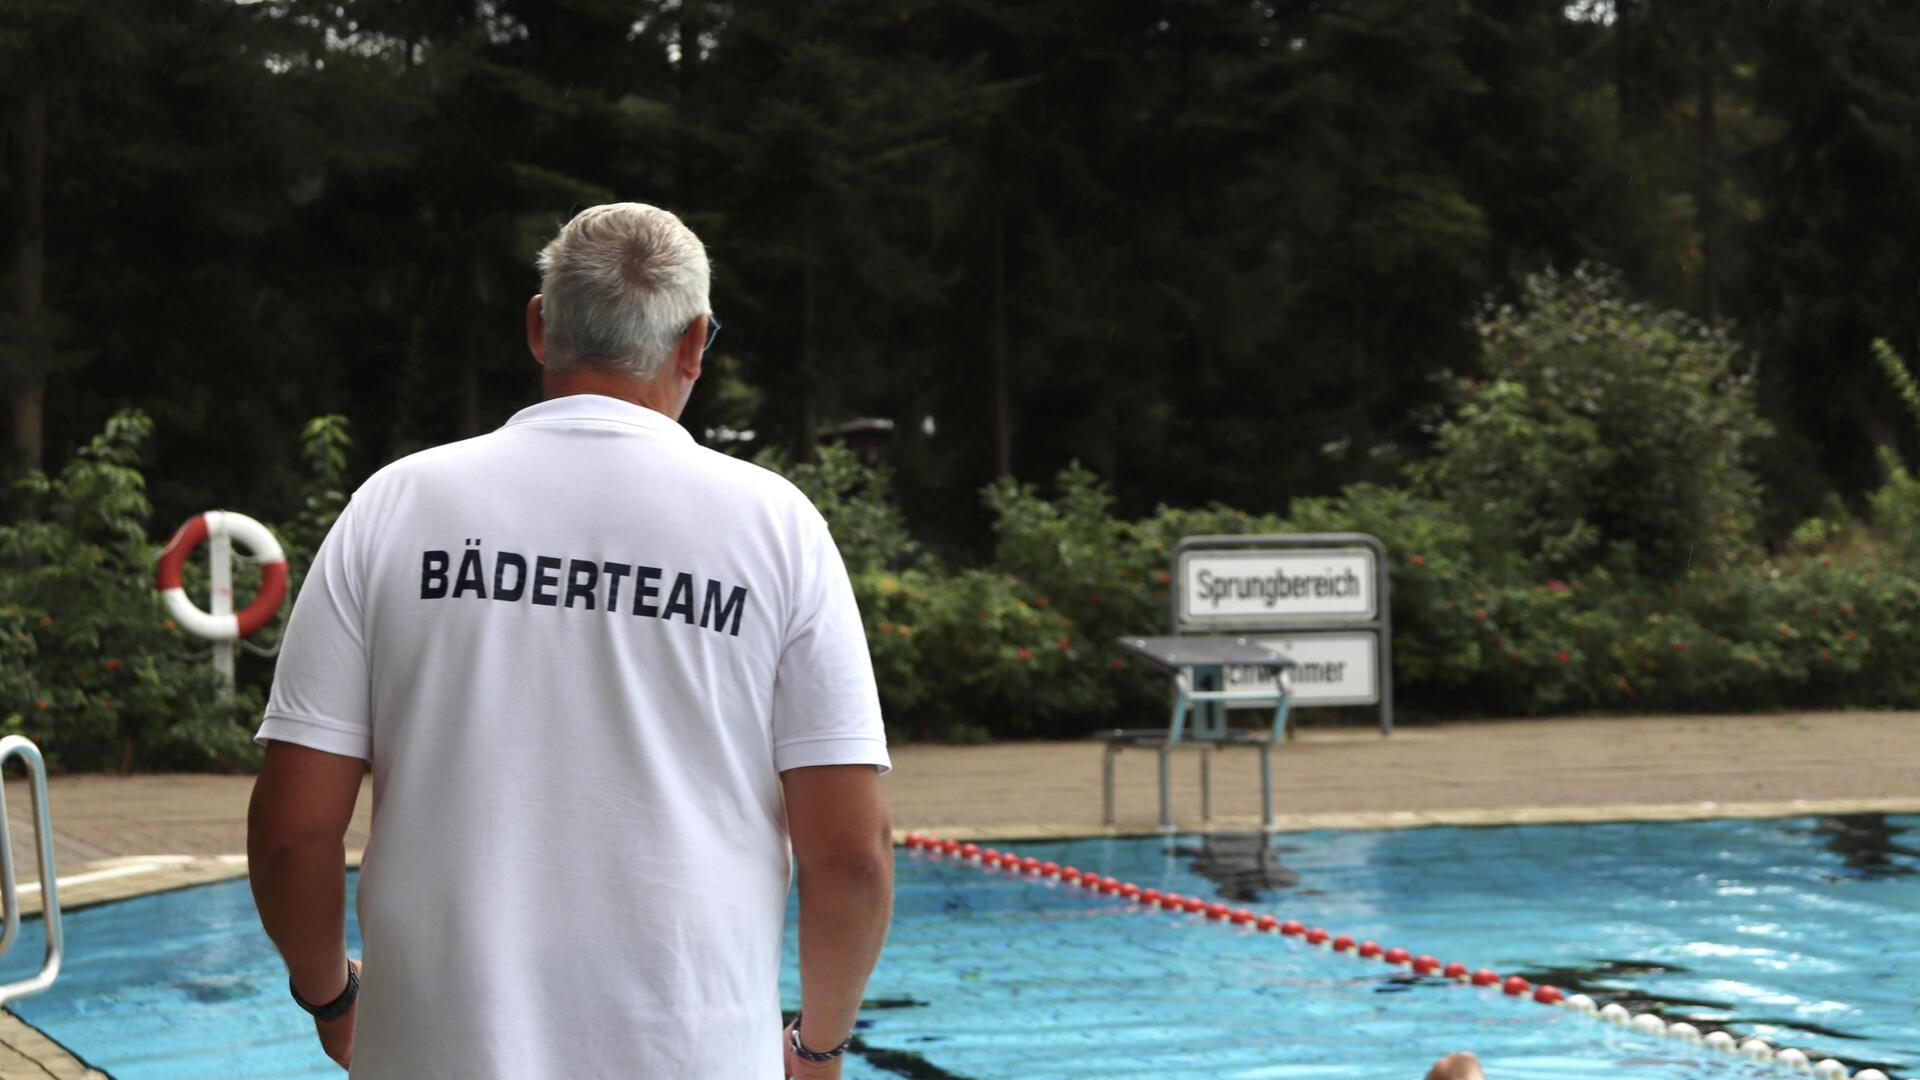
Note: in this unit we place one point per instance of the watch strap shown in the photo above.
(337, 1008)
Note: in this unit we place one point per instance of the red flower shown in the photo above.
(906, 631)
(1119, 664)
(46, 620)
(1480, 614)
(107, 701)
(1565, 656)
(112, 664)
(1513, 656)
(1023, 655)
(886, 628)
(1065, 644)
(1825, 656)
(1556, 585)
(1418, 560)
(1093, 598)
(1679, 646)
(43, 704)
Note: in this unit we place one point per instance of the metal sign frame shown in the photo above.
(1380, 626)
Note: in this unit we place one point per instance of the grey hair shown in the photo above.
(620, 284)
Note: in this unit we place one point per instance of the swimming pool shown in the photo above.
(1799, 930)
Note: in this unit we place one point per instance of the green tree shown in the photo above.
(1601, 430)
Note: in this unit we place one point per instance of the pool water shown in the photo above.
(1802, 931)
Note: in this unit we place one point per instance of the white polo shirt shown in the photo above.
(578, 652)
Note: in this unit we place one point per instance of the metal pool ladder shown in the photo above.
(23, 748)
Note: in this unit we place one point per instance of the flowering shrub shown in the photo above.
(93, 670)
(90, 666)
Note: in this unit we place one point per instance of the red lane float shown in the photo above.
(260, 545)
(1152, 899)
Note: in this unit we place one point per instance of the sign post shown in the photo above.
(220, 554)
(1320, 599)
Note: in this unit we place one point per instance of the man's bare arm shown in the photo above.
(843, 848)
(296, 860)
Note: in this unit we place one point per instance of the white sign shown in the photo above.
(1276, 587)
(1332, 669)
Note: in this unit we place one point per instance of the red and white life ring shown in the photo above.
(259, 543)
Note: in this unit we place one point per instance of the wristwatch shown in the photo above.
(817, 1057)
(337, 1008)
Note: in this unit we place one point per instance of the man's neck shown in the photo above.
(645, 392)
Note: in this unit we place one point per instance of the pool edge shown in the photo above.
(21, 1042)
(1377, 820)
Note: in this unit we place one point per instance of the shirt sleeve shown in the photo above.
(321, 695)
(826, 707)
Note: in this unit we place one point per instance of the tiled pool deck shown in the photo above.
(117, 837)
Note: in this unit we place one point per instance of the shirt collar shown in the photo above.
(574, 409)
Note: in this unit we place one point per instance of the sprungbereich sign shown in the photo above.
(1319, 599)
(1253, 588)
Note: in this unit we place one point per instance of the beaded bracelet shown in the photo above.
(814, 1056)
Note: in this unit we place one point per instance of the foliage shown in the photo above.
(1602, 430)
(93, 670)
(1896, 503)
(971, 654)
(1190, 244)
(853, 498)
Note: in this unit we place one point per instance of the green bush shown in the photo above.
(1602, 431)
(91, 667)
(94, 672)
(1521, 585)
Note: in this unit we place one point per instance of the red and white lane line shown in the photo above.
(1423, 964)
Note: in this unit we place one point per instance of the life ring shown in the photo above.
(259, 543)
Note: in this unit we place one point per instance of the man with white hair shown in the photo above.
(604, 677)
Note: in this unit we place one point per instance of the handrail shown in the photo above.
(22, 747)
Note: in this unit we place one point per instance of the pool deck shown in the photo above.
(116, 837)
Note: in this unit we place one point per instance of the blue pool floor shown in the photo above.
(1802, 931)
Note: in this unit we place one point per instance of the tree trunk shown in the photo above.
(809, 329)
(1002, 397)
(28, 265)
(469, 399)
(1707, 208)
